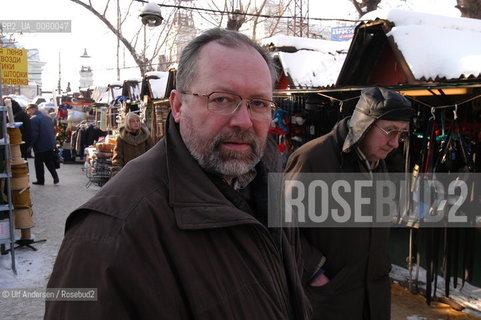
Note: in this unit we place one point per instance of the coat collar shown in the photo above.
(142, 136)
(196, 201)
(36, 114)
(350, 160)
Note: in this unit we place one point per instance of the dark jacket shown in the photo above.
(20, 115)
(162, 241)
(129, 147)
(43, 133)
(357, 259)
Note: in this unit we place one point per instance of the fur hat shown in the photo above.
(376, 103)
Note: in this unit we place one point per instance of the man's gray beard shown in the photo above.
(227, 163)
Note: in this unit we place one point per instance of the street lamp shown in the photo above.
(86, 74)
(85, 55)
(151, 15)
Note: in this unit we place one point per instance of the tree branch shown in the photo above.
(138, 59)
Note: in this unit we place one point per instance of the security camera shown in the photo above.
(151, 15)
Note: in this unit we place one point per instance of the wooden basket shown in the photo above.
(23, 218)
(19, 170)
(15, 152)
(21, 198)
(15, 135)
(19, 183)
(18, 161)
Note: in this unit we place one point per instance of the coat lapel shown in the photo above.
(196, 207)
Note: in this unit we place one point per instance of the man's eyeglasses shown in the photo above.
(402, 135)
(226, 103)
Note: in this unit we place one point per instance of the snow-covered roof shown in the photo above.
(22, 100)
(315, 62)
(134, 80)
(116, 84)
(321, 45)
(435, 46)
(311, 69)
(158, 74)
(7, 43)
(158, 83)
(115, 92)
(101, 95)
(131, 89)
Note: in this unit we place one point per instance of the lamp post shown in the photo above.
(151, 17)
(86, 73)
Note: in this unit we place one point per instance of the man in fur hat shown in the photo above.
(347, 269)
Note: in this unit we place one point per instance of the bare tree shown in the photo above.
(236, 14)
(233, 13)
(236, 19)
(257, 19)
(469, 8)
(143, 52)
(274, 26)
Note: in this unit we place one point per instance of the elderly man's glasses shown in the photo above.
(226, 103)
(401, 134)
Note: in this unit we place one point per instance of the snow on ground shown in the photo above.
(468, 296)
(416, 317)
(51, 206)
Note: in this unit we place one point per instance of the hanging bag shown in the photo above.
(57, 158)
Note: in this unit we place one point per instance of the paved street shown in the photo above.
(51, 205)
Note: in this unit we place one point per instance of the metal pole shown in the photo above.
(1, 93)
(410, 261)
(59, 75)
(118, 41)
(144, 64)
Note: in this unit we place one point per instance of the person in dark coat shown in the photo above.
(133, 140)
(19, 115)
(181, 231)
(43, 142)
(346, 272)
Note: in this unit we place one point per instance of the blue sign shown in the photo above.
(342, 33)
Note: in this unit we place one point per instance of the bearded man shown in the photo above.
(181, 232)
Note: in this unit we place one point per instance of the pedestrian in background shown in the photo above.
(43, 142)
(133, 140)
(19, 115)
(347, 269)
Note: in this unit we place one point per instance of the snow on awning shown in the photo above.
(158, 83)
(309, 63)
(311, 69)
(131, 89)
(299, 43)
(435, 46)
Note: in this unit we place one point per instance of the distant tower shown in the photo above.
(183, 30)
(299, 24)
(86, 74)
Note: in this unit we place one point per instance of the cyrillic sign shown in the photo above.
(14, 66)
(342, 33)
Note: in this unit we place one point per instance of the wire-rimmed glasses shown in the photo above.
(402, 135)
(226, 103)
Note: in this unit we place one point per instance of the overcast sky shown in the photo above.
(88, 32)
